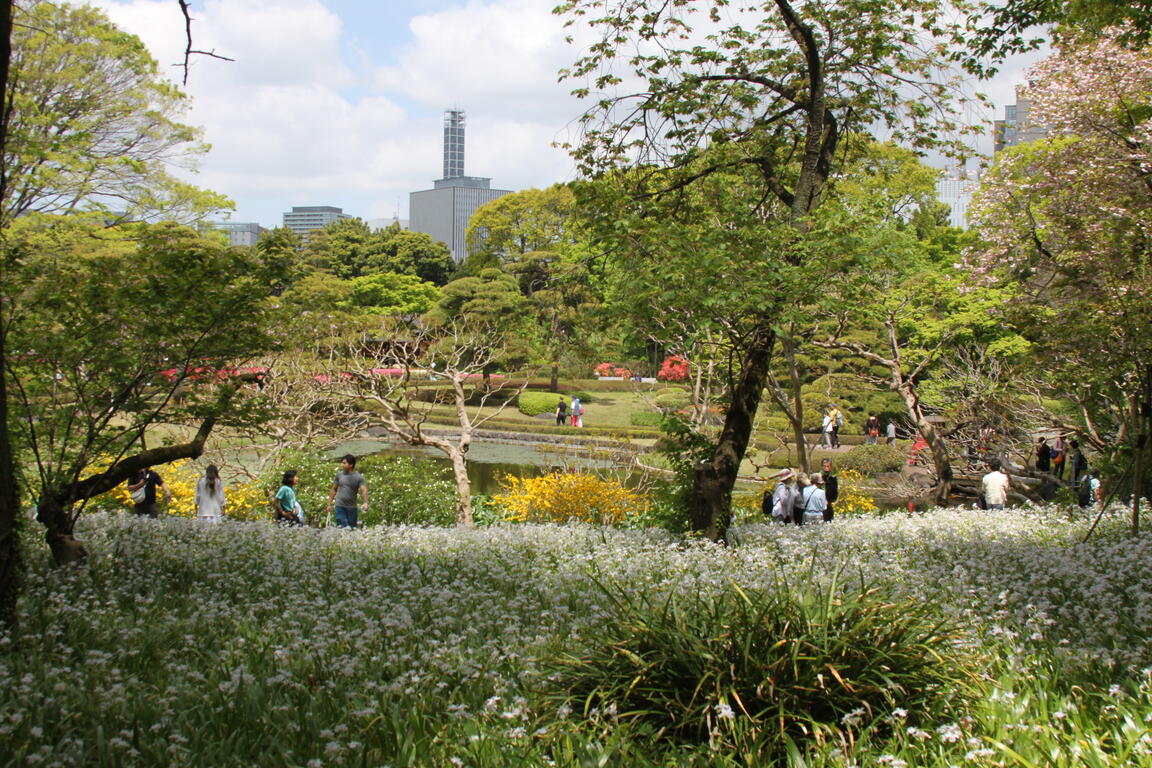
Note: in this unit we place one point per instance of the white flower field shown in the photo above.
(246, 644)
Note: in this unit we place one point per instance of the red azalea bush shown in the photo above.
(673, 369)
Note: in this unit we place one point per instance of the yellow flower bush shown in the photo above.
(245, 501)
(562, 497)
(852, 499)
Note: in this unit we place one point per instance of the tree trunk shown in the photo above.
(796, 417)
(58, 523)
(11, 559)
(554, 383)
(940, 461)
(713, 480)
(463, 488)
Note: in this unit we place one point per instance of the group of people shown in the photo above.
(209, 499)
(799, 495)
(834, 419)
(575, 412)
(1050, 458)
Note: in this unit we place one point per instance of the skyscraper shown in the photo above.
(443, 211)
(1017, 127)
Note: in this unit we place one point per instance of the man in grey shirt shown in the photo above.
(343, 495)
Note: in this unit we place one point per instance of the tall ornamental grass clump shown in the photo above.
(760, 669)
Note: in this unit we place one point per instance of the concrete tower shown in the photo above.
(443, 211)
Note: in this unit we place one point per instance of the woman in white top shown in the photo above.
(210, 496)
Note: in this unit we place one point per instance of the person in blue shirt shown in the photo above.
(287, 509)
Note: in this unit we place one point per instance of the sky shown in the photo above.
(341, 102)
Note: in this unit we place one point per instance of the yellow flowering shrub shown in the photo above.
(245, 501)
(561, 497)
(852, 499)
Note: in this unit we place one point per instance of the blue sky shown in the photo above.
(339, 102)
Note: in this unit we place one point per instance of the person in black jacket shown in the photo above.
(831, 487)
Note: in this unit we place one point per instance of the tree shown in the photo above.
(91, 125)
(503, 230)
(771, 98)
(402, 368)
(11, 555)
(112, 332)
(349, 249)
(387, 293)
(1067, 219)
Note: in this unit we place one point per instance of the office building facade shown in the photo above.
(303, 219)
(1017, 127)
(443, 212)
(240, 232)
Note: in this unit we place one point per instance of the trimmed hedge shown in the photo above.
(536, 403)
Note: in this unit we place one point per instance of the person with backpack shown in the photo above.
(804, 489)
(1088, 489)
(872, 429)
(837, 422)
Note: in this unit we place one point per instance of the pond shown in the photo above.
(487, 461)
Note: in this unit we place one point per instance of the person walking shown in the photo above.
(143, 489)
(561, 413)
(872, 429)
(209, 498)
(837, 422)
(995, 485)
(826, 430)
(342, 496)
(286, 508)
(1043, 455)
(890, 432)
(831, 487)
(577, 411)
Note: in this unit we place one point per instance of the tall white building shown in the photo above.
(443, 212)
(955, 191)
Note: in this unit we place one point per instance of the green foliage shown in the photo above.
(871, 460)
(387, 293)
(124, 327)
(535, 403)
(673, 400)
(756, 669)
(683, 447)
(503, 230)
(401, 490)
(92, 125)
(349, 248)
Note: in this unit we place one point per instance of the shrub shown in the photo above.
(673, 369)
(852, 499)
(871, 460)
(754, 669)
(673, 399)
(536, 403)
(561, 497)
(645, 419)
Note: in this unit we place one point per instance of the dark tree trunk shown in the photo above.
(11, 560)
(58, 522)
(713, 480)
